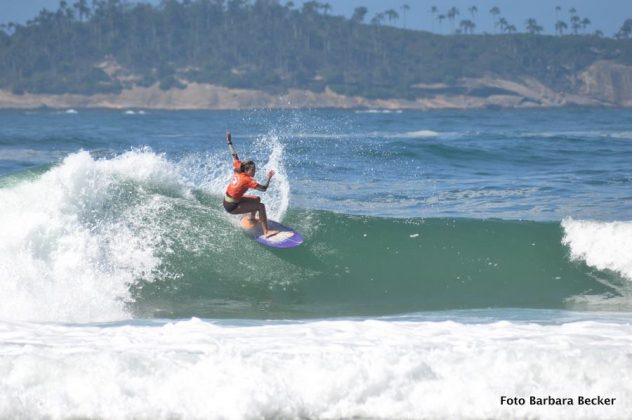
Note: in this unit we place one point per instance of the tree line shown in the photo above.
(464, 21)
(110, 45)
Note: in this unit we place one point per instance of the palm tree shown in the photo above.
(599, 33)
(405, 8)
(625, 31)
(533, 27)
(585, 22)
(502, 22)
(391, 15)
(433, 12)
(359, 14)
(573, 12)
(560, 27)
(467, 26)
(309, 7)
(511, 29)
(325, 8)
(378, 19)
(452, 14)
(82, 9)
(441, 18)
(473, 11)
(495, 11)
(575, 24)
(65, 11)
(558, 9)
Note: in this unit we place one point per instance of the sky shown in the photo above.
(605, 15)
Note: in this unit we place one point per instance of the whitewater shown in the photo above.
(451, 259)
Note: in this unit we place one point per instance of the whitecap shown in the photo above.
(602, 245)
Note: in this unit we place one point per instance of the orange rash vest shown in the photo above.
(239, 183)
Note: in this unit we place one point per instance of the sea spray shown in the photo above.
(75, 239)
(277, 198)
(208, 172)
(603, 245)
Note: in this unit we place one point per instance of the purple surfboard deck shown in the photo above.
(286, 238)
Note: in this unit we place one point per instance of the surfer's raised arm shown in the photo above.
(229, 140)
(264, 187)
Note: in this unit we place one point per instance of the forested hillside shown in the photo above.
(264, 45)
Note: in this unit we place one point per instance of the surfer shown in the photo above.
(235, 202)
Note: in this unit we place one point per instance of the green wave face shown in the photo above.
(352, 265)
(108, 239)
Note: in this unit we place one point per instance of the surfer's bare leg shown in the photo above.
(253, 214)
(264, 222)
(252, 199)
(253, 205)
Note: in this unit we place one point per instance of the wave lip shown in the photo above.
(77, 237)
(603, 245)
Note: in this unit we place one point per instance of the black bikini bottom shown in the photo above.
(230, 207)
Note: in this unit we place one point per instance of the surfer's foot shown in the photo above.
(270, 233)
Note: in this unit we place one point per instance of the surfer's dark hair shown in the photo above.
(245, 166)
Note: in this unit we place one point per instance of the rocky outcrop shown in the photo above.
(608, 82)
(604, 83)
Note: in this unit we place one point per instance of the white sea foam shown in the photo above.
(75, 239)
(420, 134)
(326, 369)
(378, 111)
(624, 135)
(587, 134)
(603, 245)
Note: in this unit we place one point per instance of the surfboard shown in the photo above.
(286, 238)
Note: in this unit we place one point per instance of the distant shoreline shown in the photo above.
(229, 100)
(35, 102)
(604, 84)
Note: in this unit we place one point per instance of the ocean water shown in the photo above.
(451, 258)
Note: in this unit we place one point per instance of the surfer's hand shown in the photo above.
(228, 137)
(271, 174)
